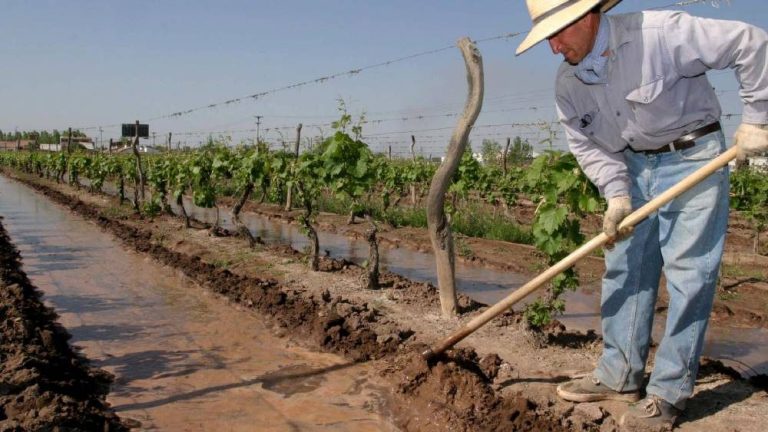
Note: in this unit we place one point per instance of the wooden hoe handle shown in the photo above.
(633, 219)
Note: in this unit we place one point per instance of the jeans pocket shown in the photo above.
(706, 148)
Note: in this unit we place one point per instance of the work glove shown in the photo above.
(619, 207)
(750, 139)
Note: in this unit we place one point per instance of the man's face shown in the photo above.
(575, 41)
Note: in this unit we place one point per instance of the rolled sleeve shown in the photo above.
(699, 44)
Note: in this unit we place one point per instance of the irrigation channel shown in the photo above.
(183, 359)
(743, 349)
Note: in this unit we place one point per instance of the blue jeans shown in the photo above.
(684, 238)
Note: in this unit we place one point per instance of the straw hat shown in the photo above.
(551, 16)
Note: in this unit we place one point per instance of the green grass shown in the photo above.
(743, 271)
(471, 221)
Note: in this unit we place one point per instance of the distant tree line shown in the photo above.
(520, 152)
(42, 137)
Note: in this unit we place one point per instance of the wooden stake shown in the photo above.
(439, 223)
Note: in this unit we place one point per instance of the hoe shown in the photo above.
(630, 221)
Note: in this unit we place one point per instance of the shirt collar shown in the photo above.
(620, 34)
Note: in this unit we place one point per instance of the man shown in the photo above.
(640, 115)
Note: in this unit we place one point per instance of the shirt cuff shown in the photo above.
(618, 187)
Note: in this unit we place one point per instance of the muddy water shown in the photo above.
(183, 360)
(746, 350)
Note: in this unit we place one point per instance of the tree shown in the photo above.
(520, 153)
(490, 150)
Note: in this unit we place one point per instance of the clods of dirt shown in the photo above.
(44, 384)
(453, 393)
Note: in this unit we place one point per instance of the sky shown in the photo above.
(94, 64)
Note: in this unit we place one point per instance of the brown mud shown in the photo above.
(465, 400)
(741, 301)
(44, 384)
(453, 388)
(463, 390)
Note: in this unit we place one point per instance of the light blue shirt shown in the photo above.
(657, 90)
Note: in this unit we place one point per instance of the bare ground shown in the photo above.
(44, 384)
(503, 378)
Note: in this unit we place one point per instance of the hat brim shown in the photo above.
(559, 21)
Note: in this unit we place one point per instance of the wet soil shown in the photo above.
(183, 358)
(742, 300)
(506, 382)
(350, 328)
(44, 384)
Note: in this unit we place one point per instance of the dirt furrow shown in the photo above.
(451, 393)
(44, 384)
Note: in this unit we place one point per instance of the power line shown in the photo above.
(357, 71)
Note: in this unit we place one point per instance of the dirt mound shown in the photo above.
(44, 385)
(453, 392)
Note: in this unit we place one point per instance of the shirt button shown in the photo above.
(631, 140)
(618, 114)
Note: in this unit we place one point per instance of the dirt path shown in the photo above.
(183, 358)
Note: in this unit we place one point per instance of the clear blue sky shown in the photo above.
(96, 63)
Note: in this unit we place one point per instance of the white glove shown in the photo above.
(619, 207)
(751, 139)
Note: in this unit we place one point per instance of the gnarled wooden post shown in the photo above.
(438, 221)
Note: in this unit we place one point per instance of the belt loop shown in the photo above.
(672, 146)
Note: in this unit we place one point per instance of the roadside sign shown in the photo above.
(129, 130)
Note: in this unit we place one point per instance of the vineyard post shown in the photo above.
(170, 134)
(139, 170)
(110, 146)
(69, 141)
(438, 222)
(288, 200)
(390, 152)
(298, 140)
(504, 156)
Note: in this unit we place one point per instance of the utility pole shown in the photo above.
(258, 127)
